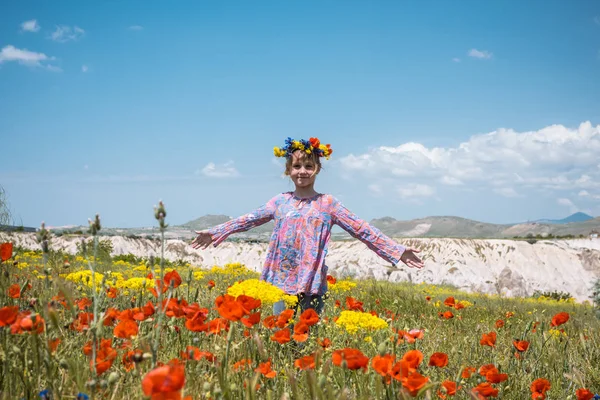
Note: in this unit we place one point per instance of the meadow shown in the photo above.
(93, 326)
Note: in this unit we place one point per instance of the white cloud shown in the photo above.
(568, 203)
(584, 193)
(506, 192)
(84, 68)
(25, 57)
(376, 189)
(213, 170)
(481, 54)
(555, 158)
(456, 59)
(415, 190)
(64, 33)
(135, 28)
(30, 26)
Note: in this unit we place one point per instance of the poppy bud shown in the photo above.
(147, 356)
(16, 350)
(206, 387)
(382, 349)
(138, 357)
(103, 384)
(322, 381)
(91, 383)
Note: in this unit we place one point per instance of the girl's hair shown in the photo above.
(312, 157)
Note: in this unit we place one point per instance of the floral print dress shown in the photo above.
(295, 260)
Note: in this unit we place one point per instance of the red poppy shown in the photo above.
(331, 280)
(383, 364)
(410, 336)
(521, 345)
(241, 365)
(488, 339)
(485, 390)
(110, 315)
(269, 322)
(314, 142)
(53, 344)
(210, 284)
(6, 250)
(281, 336)
(484, 369)
(413, 358)
(82, 322)
(126, 329)
(414, 382)
(353, 358)
(509, 314)
(494, 376)
(300, 332)
(447, 315)
(25, 322)
(309, 317)
(196, 323)
(584, 394)
(353, 304)
(304, 363)
(325, 343)
(266, 370)
(467, 372)
(450, 388)
(560, 318)
(218, 325)
(172, 279)
(14, 291)
(104, 359)
(438, 360)
(83, 303)
(251, 320)
(194, 353)
(539, 387)
(164, 382)
(8, 315)
(231, 310)
(499, 324)
(112, 292)
(450, 302)
(248, 303)
(284, 318)
(130, 358)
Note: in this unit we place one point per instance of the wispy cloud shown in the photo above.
(481, 54)
(568, 203)
(85, 68)
(64, 33)
(506, 192)
(135, 28)
(456, 59)
(29, 58)
(213, 170)
(30, 26)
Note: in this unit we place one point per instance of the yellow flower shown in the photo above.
(267, 293)
(342, 286)
(352, 321)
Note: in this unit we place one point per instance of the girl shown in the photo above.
(295, 260)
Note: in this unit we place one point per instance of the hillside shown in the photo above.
(576, 217)
(514, 268)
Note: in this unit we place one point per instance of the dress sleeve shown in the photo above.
(382, 245)
(258, 217)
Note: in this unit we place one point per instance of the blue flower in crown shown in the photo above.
(82, 396)
(313, 145)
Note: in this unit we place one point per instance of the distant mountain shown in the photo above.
(577, 217)
(208, 221)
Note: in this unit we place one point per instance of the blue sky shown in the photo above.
(485, 110)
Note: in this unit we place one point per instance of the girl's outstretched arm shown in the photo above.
(385, 247)
(219, 233)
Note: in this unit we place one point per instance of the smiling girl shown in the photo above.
(295, 260)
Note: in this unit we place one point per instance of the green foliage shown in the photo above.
(596, 297)
(554, 295)
(105, 249)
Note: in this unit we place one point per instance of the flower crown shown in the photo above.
(313, 145)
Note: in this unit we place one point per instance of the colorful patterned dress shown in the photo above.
(295, 260)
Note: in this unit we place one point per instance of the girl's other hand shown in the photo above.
(411, 259)
(203, 240)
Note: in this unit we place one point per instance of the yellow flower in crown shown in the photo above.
(313, 145)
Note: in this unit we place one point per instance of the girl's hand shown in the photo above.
(203, 240)
(409, 258)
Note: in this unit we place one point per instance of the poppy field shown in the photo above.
(78, 327)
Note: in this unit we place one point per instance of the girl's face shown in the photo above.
(303, 170)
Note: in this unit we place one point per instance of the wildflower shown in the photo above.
(300, 332)
(112, 292)
(485, 390)
(6, 250)
(304, 363)
(438, 360)
(559, 319)
(584, 394)
(309, 317)
(521, 345)
(413, 358)
(261, 290)
(450, 302)
(488, 339)
(331, 280)
(414, 382)
(353, 304)
(410, 336)
(8, 315)
(194, 353)
(126, 329)
(53, 344)
(539, 387)
(325, 343)
(341, 286)
(383, 364)
(164, 382)
(353, 359)
(284, 318)
(241, 365)
(231, 310)
(14, 291)
(173, 279)
(447, 315)
(352, 321)
(494, 376)
(82, 396)
(282, 336)
(251, 320)
(467, 372)
(104, 359)
(28, 323)
(210, 284)
(266, 370)
(499, 324)
(449, 389)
